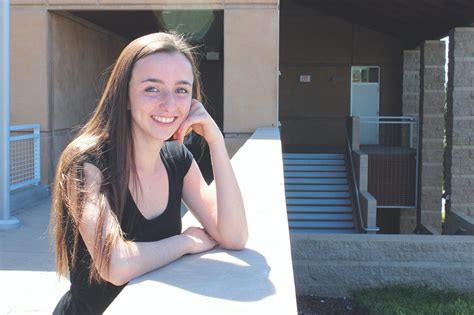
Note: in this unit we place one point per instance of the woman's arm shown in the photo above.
(218, 208)
(131, 259)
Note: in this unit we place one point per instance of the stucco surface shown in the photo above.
(29, 67)
(250, 71)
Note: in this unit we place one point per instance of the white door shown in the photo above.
(365, 96)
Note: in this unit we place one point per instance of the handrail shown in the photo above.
(354, 182)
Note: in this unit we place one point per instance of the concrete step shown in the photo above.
(317, 194)
(319, 209)
(319, 202)
(321, 156)
(312, 162)
(320, 217)
(293, 187)
(291, 174)
(322, 181)
(321, 225)
(315, 168)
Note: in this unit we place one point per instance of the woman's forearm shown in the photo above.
(132, 259)
(231, 219)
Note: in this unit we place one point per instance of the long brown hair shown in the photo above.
(106, 136)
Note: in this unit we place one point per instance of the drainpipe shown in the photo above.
(6, 220)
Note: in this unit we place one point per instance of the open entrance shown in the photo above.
(84, 45)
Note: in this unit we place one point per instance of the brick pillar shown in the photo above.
(459, 170)
(410, 107)
(432, 98)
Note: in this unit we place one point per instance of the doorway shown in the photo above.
(365, 100)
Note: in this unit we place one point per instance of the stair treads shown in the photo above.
(312, 168)
(326, 181)
(317, 194)
(316, 174)
(312, 162)
(293, 187)
(320, 225)
(319, 209)
(318, 202)
(313, 156)
(319, 217)
(321, 231)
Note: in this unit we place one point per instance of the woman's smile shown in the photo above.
(163, 119)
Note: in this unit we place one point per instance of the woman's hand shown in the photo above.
(201, 241)
(201, 122)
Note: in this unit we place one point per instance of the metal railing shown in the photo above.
(391, 142)
(25, 166)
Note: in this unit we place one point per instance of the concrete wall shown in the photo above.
(325, 48)
(80, 54)
(333, 265)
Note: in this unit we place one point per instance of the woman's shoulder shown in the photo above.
(177, 154)
(175, 150)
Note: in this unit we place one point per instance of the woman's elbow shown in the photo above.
(235, 243)
(118, 275)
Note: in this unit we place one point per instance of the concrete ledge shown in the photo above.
(333, 265)
(458, 223)
(257, 280)
(368, 208)
(25, 197)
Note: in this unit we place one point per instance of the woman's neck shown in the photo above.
(147, 155)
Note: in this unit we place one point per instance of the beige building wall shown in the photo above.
(250, 68)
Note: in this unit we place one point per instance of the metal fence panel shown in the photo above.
(393, 160)
(25, 166)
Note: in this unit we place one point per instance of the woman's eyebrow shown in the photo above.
(154, 80)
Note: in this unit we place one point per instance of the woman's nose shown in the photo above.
(167, 102)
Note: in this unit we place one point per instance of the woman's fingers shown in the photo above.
(200, 121)
(202, 241)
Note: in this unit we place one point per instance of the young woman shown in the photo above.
(119, 184)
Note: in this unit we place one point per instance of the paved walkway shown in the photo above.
(29, 284)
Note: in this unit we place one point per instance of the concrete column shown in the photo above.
(6, 220)
(410, 107)
(251, 49)
(459, 171)
(432, 98)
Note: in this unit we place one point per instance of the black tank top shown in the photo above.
(94, 298)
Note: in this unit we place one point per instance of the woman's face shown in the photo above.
(160, 94)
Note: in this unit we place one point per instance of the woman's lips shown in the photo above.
(163, 119)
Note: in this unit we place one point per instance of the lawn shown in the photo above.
(401, 300)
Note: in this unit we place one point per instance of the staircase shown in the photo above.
(318, 197)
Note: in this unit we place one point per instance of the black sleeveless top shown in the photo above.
(94, 298)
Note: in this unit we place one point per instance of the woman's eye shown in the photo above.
(182, 91)
(151, 89)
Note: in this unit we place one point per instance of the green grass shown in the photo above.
(408, 300)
